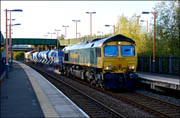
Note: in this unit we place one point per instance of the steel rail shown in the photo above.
(99, 104)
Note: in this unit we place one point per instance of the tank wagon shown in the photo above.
(48, 57)
(109, 62)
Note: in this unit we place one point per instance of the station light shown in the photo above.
(107, 25)
(12, 19)
(90, 22)
(16, 10)
(76, 26)
(16, 24)
(90, 12)
(154, 38)
(112, 26)
(65, 26)
(145, 12)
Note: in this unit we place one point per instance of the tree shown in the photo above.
(168, 18)
(131, 28)
(167, 30)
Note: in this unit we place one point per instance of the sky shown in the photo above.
(40, 17)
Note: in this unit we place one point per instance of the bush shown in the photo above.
(18, 55)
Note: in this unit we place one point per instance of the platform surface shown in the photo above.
(168, 81)
(44, 98)
(17, 96)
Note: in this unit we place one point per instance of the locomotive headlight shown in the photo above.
(108, 68)
(131, 67)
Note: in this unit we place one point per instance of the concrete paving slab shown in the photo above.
(52, 100)
(17, 96)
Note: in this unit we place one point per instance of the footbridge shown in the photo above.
(33, 41)
(40, 41)
(43, 41)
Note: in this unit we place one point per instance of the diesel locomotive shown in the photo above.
(105, 62)
(109, 62)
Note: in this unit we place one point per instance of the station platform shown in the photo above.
(160, 80)
(26, 93)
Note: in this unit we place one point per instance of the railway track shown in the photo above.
(92, 107)
(146, 103)
(155, 106)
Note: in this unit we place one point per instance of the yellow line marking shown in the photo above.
(46, 106)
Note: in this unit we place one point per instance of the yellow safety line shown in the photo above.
(46, 106)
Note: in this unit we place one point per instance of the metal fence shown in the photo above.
(2, 66)
(166, 65)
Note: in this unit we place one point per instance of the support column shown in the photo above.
(170, 65)
(160, 64)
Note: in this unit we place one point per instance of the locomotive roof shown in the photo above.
(98, 42)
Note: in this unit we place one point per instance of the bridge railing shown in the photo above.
(166, 65)
(71, 41)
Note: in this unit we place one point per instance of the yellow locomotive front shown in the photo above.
(119, 63)
(119, 57)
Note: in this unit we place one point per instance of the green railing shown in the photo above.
(33, 41)
(166, 65)
(66, 42)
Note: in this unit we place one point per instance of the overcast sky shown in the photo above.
(40, 17)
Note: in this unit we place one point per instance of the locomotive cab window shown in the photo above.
(127, 50)
(110, 51)
(66, 58)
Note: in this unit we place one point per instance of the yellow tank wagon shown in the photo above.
(108, 62)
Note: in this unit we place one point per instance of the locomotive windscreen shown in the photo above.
(127, 50)
(110, 51)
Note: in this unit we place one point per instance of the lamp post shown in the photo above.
(51, 38)
(146, 24)
(154, 38)
(65, 26)
(7, 64)
(91, 22)
(45, 36)
(10, 40)
(76, 26)
(138, 17)
(79, 34)
(6, 15)
(51, 33)
(57, 38)
(111, 26)
(100, 32)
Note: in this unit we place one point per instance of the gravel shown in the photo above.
(160, 97)
(117, 105)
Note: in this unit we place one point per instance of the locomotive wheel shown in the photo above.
(82, 75)
(92, 79)
(93, 82)
(68, 73)
(100, 83)
(100, 80)
(62, 72)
